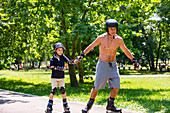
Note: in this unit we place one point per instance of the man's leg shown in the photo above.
(114, 92)
(93, 95)
(110, 101)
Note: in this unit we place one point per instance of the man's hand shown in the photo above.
(135, 63)
(82, 55)
(79, 58)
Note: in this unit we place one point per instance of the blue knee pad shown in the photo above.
(54, 91)
(62, 90)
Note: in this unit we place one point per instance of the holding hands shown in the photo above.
(79, 58)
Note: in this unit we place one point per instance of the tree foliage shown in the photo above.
(29, 28)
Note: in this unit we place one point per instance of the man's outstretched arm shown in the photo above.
(126, 50)
(90, 47)
(128, 54)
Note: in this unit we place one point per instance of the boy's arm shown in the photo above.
(51, 64)
(67, 60)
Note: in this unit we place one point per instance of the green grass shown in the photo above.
(147, 94)
(142, 72)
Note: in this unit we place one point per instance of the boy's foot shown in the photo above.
(49, 107)
(48, 110)
(66, 108)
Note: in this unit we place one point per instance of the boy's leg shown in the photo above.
(53, 92)
(50, 102)
(63, 93)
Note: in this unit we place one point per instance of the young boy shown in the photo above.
(57, 76)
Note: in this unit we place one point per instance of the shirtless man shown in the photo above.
(106, 69)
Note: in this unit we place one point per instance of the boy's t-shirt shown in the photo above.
(54, 61)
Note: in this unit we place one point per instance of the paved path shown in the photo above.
(13, 102)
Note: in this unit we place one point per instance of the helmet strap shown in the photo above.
(109, 34)
(57, 54)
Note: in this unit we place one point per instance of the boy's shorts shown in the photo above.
(104, 73)
(54, 83)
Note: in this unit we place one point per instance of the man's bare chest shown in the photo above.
(109, 44)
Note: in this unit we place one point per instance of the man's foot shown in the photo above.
(88, 107)
(110, 107)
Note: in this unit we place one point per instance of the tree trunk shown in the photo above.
(73, 78)
(81, 74)
(81, 80)
(39, 64)
(18, 63)
(159, 48)
(152, 64)
(33, 64)
(72, 73)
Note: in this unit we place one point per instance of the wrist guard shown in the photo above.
(136, 64)
(134, 60)
(82, 55)
(58, 68)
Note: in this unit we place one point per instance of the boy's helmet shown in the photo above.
(57, 45)
(111, 23)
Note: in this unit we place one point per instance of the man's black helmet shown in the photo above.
(111, 23)
(57, 45)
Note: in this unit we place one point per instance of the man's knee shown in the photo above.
(62, 90)
(94, 90)
(115, 89)
(54, 91)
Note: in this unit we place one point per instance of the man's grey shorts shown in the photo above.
(104, 73)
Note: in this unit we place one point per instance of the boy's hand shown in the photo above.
(64, 69)
(71, 61)
(51, 67)
(75, 61)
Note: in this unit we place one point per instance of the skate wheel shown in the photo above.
(85, 112)
(114, 111)
(48, 111)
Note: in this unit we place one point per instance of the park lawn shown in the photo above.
(147, 94)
